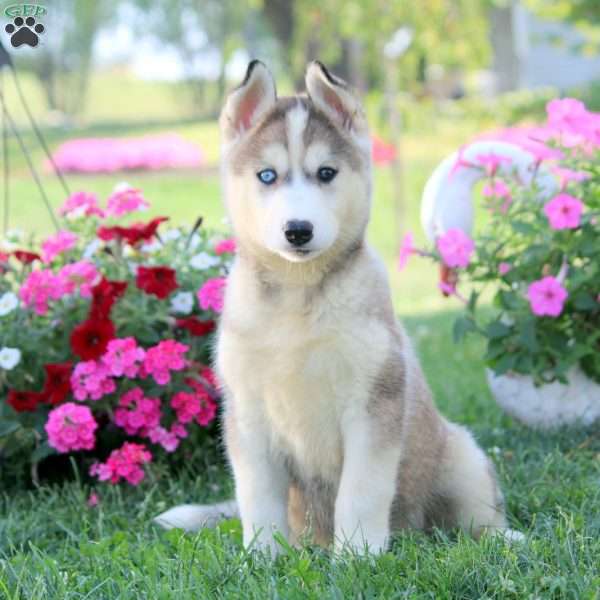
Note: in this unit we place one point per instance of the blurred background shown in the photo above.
(130, 91)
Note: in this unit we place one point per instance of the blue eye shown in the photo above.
(326, 174)
(267, 176)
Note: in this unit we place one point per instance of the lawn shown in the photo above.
(54, 546)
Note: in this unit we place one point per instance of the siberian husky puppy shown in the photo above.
(329, 424)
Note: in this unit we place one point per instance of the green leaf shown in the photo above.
(462, 326)
(528, 336)
(584, 301)
(505, 364)
(497, 329)
(8, 427)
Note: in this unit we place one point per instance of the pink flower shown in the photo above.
(211, 294)
(81, 204)
(564, 211)
(179, 430)
(491, 162)
(208, 407)
(498, 188)
(70, 427)
(547, 297)
(186, 405)
(167, 439)
(39, 288)
(456, 248)
(565, 176)
(504, 268)
(57, 244)
(123, 357)
(407, 248)
(82, 274)
(227, 246)
(166, 356)
(136, 412)
(93, 500)
(91, 379)
(125, 200)
(123, 463)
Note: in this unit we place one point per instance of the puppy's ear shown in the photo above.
(334, 97)
(248, 102)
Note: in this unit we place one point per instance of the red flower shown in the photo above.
(159, 281)
(90, 338)
(24, 401)
(104, 295)
(25, 256)
(58, 382)
(195, 326)
(132, 235)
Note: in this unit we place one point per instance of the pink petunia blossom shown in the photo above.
(91, 379)
(123, 463)
(455, 248)
(211, 294)
(564, 211)
(81, 274)
(407, 249)
(71, 427)
(39, 288)
(547, 297)
(227, 246)
(565, 176)
(498, 189)
(163, 358)
(57, 244)
(504, 268)
(491, 162)
(123, 357)
(125, 200)
(136, 413)
(80, 204)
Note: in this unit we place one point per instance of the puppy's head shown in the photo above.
(296, 170)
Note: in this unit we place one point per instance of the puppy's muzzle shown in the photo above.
(298, 233)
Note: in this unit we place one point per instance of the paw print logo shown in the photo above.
(24, 32)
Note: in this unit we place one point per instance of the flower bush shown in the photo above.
(538, 251)
(105, 337)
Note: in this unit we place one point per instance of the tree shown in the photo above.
(63, 62)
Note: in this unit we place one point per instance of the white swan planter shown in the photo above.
(447, 203)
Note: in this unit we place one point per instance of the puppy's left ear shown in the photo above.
(335, 98)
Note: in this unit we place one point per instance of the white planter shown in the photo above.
(549, 405)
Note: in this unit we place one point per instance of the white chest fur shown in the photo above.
(301, 366)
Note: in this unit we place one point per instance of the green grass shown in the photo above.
(53, 546)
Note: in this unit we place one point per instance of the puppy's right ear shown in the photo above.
(248, 102)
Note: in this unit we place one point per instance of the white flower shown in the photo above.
(15, 235)
(194, 241)
(203, 261)
(9, 358)
(133, 268)
(171, 235)
(182, 303)
(91, 248)
(150, 247)
(122, 186)
(8, 303)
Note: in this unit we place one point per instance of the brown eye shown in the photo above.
(326, 174)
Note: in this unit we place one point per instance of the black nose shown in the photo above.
(298, 233)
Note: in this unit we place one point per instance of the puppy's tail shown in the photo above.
(193, 517)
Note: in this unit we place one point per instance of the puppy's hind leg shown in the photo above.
(468, 481)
